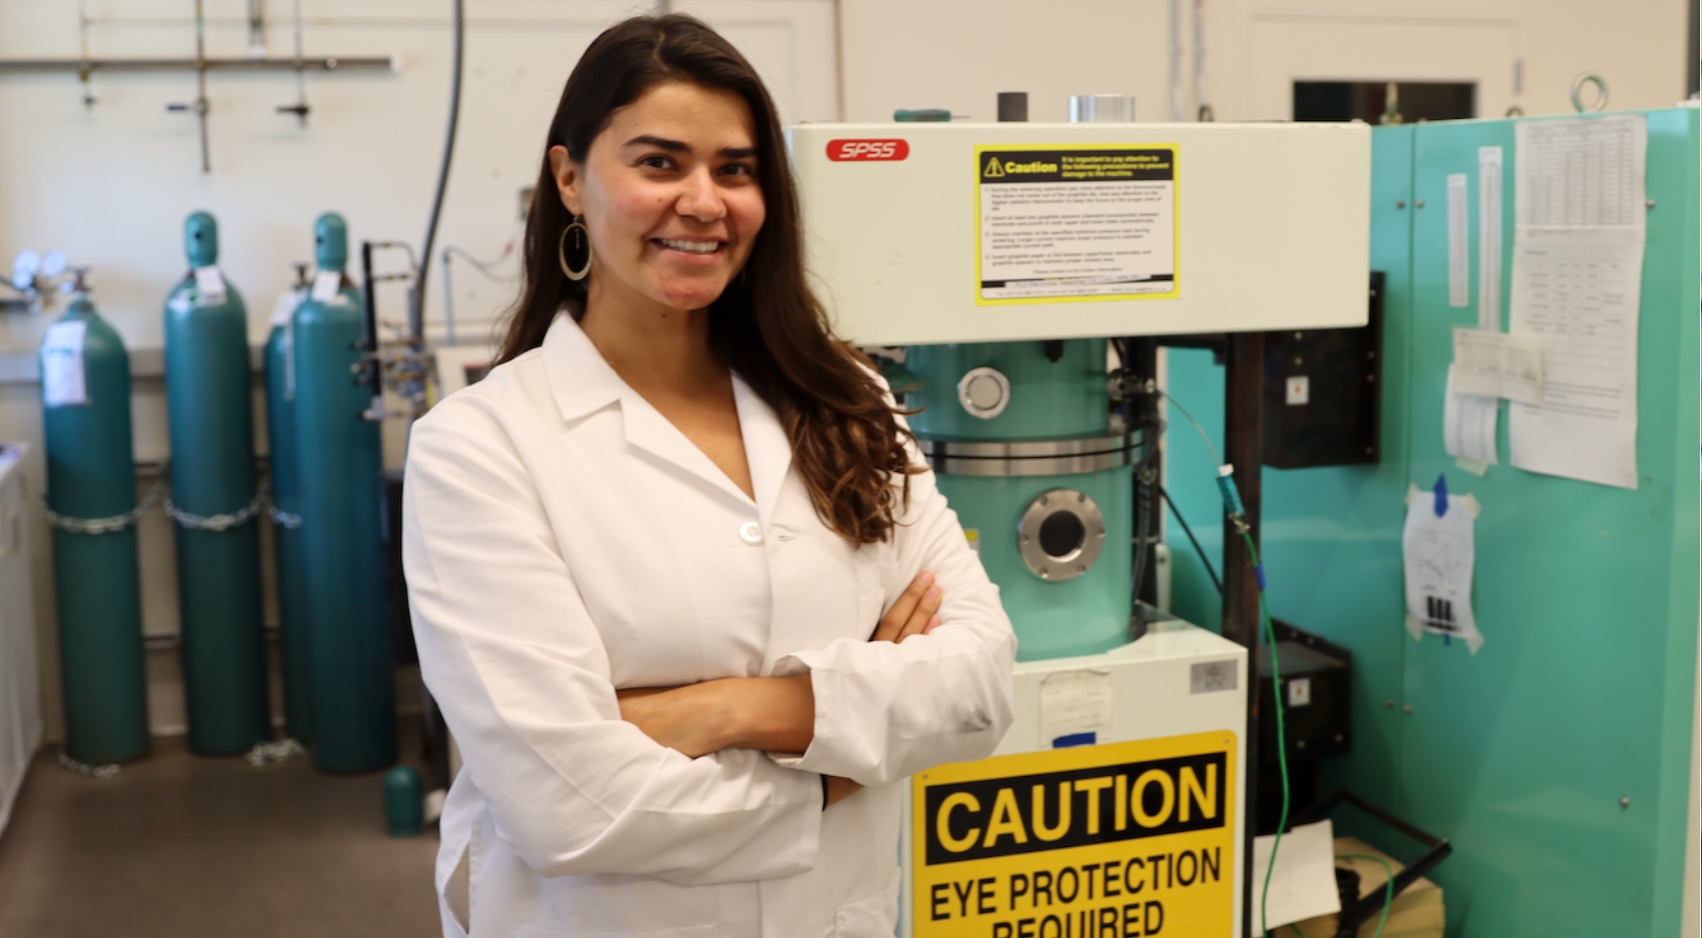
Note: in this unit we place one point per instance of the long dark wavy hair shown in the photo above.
(767, 325)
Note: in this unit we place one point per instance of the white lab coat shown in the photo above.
(562, 540)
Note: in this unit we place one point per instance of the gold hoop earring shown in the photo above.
(581, 242)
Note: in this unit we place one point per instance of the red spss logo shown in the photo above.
(867, 150)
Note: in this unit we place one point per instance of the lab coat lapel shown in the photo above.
(767, 447)
(648, 430)
(582, 382)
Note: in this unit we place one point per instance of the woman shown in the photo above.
(689, 601)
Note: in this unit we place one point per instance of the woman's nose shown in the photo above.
(699, 198)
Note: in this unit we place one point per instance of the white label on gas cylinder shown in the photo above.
(326, 285)
(285, 307)
(1075, 223)
(62, 381)
(209, 285)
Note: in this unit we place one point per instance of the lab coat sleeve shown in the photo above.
(509, 651)
(885, 711)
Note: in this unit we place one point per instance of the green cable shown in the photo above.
(1282, 754)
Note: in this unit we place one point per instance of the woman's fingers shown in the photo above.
(917, 624)
(896, 618)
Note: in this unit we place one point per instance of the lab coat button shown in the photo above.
(751, 532)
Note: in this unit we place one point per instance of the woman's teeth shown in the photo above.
(691, 247)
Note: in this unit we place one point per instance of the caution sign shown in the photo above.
(1114, 841)
(1076, 224)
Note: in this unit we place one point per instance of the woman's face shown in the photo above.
(670, 195)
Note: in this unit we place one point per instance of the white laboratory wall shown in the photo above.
(110, 184)
(904, 53)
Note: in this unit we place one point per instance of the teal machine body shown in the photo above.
(1558, 760)
(91, 476)
(1023, 446)
(209, 395)
(286, 516)
(339, 465)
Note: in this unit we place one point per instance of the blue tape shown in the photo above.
(1441, 491)
(1075, 739)
(1259, 574)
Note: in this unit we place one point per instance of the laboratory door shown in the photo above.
(1289, 47)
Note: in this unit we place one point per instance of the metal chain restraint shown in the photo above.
(276, 751)
(104, 525)
(160, 494)
(101, 772)
(224, 522)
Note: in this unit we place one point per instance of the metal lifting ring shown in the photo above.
(1061, 534)
(1589, 78)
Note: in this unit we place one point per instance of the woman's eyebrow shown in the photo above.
(660, 143)
(678, 146)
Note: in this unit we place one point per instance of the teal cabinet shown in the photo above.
(1557, 760)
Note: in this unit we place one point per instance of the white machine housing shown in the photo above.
(1156, 692)
(1272, 228)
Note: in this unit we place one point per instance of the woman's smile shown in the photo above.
(698, 248)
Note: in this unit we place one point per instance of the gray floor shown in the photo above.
(187, 846)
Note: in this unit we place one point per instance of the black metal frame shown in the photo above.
(1357, 914)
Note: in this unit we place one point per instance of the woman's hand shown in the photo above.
(839, 789)
(913, 613)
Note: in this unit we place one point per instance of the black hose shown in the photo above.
(416, 296)
(1190, 532)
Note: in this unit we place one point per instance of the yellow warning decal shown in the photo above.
(1076, 223)
(1122, 839)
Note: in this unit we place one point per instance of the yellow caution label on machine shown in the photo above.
(1060, 224)
(1113, 841)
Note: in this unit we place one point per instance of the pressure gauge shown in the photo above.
(24, 268)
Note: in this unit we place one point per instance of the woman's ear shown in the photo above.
(567, 175)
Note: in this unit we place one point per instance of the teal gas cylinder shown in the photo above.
(340, 465)
(286, 516)
(91, 477)
(1021, 441)
(209, 399)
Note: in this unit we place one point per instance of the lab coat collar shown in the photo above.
(580, 380)
(582, 383)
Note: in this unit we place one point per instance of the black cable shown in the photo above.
(416, 311)
(1193, 540)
